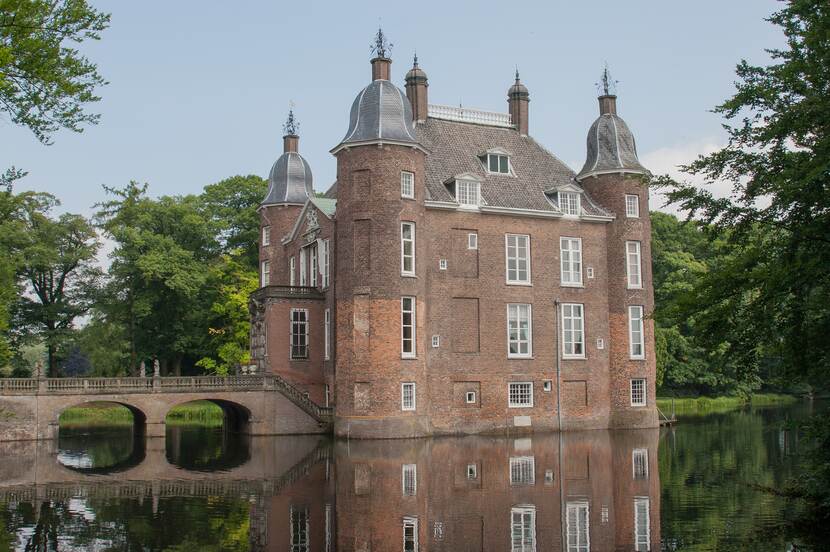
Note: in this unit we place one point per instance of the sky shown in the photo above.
(198, 91)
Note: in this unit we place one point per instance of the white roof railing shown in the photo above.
(469, 115)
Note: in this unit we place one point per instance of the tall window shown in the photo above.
(324, 263)
(313, 253)
(632, 206)
(642, 524)
(407, 185)
(467, 192)
(266, 236)
(299, 333)
(497, 163)
(299, 530)
(570, 251)
(639, 463)
(292, 271)
(408, 248)
(635, 332)
(410, 534)
(409, 479)
(408, 396)
(303, 267)
(577, 529)
(573, 332)
(523, 529)
(327, 334)
(266, 273)
(408, 327)
(632, 254)
(638, 392)
(520, 394)
(522, 470)
(517, 254)
(519, 332)
(569, 203)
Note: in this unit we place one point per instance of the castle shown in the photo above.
(458, 277)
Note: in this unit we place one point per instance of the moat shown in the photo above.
(695, 486)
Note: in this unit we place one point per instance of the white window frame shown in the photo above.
(578, 535)
(266, 236)
(327, 334)
(411, 311)
(472, 471)
(523, 528)
(436, 341)
(574, 208)
(292, 271)
(635, 400)
(407, 185)
(405, 403)
(324, 263)
(570, 255)
(510, 395)
(636, 335)
(407, 241)
(410, 523)
(499, 157)
(574, 331)
(517, 258)
(642, 520)
(313, 266)
(265, 273)
(633, 265)
(303, 334)
(472, 240)
(639, 463)
(303, 267)
(470, 395)
(632, 206)
(300, 539)
(468, 192)
(409, 479)
(442, 264)
(514, 327)
(522, 470)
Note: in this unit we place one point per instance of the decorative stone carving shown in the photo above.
(156, 369)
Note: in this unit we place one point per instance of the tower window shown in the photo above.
(408, 396)
(498, 163)
(408, 327)
(407, 185)
(408, 248)
(409, 479)
(410, 534)
(633, 264)
(632, 206)
(467, 192)
(635, 332)
(299, 334)
(638, 392)
(569, 203)
(266, 236)
(266, 273)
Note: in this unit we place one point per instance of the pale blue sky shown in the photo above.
(199, 91)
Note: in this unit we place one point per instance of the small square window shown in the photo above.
(472, 241)
(442, 264)
(590, 272)
(472, 471)
(548, 477)
(600, 343)
(520, 394)
(632, 206)
(407, 185)
(436, 341)
(471, 397)
(547, 385)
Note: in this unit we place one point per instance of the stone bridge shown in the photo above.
(254, 404)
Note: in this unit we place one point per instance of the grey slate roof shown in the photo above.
(380, 111)
(611, 148)
(290, 180)
(455, 148)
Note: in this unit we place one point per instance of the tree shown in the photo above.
(57, 268)
(45, 83)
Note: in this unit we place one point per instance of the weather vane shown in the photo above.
(291, 125)
(382, 47)
(607, 86)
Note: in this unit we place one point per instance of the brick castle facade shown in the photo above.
(458, 277)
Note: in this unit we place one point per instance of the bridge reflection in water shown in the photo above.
(576, 492)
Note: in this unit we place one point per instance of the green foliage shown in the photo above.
(45, 83)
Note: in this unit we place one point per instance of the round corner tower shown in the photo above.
(380, 268)
(614, 177)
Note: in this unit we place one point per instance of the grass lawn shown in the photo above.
(100, 414)
(705, 405)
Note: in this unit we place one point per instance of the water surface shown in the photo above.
(693, 487)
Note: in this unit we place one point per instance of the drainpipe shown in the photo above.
(558, 367)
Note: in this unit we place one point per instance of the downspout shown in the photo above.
(562, 512)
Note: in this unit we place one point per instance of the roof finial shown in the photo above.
(382, 48)
(415, 59)
(517, 73)
(607, 86)
(291, 125)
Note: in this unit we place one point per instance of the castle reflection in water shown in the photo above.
(576, 492)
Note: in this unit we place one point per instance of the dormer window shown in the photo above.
(467, 192)
(569, 203)
(498, 163)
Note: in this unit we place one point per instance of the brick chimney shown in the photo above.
(607, 104)
(416, 91)
(290, 143)
(381, 68)
(518, 99)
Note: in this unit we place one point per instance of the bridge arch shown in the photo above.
(236, 417)
(139, 417)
